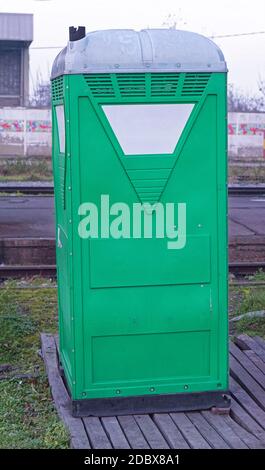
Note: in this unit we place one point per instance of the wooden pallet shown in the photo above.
(243, 428)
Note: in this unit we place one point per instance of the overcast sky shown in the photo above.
(245, 56)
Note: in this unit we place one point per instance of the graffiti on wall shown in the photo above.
(246, 129)
(16, 125)
(38, 125)
(28, 131)
(25, 132)
(11, 125)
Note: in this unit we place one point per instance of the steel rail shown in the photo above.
(9, 271)
(34, 189)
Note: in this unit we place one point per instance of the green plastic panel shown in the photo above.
(129, 262)
(139, 349)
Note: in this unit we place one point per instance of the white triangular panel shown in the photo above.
(144, 129)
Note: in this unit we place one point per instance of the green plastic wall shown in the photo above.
(134, 317)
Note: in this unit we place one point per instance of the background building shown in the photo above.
(16, 35)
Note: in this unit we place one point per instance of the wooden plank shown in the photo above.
(245, 420)
(133, 433)
(151, 432)
(252, 344)
(247, 382)
(48, 348)
(260, 341)
(244, 428)
(256, 360)
(226, 432)
(245, 362)
(207, 431)
(189, 431)
(251, 441)
(170, 431)
(96, 433)
(241, 343)
(115, 433)
(78, 436)
(56, 339)
(247, 402)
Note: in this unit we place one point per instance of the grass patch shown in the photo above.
(251, 327)
(26, 169)
(244, 299)
(28, 418)
(40, 169)
(246, 174)
(251, 299)
(258, 276)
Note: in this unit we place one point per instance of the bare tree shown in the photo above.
(261, 85)
(174, 20)
(41, 97)
(244, 103)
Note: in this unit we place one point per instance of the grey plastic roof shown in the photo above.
(125, 50)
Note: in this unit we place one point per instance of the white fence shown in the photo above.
(27, 132)
(246, 134)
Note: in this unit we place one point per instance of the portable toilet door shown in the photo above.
(139, 157)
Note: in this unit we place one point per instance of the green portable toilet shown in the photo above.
(139, 158)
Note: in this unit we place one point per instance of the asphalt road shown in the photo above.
(27, 216)
(33, 216)
(246, 215)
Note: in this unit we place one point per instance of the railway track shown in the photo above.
(49, 270)
(233, 190)
(26, 189)
(244, 268)
(250, 190)
(17, 271)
